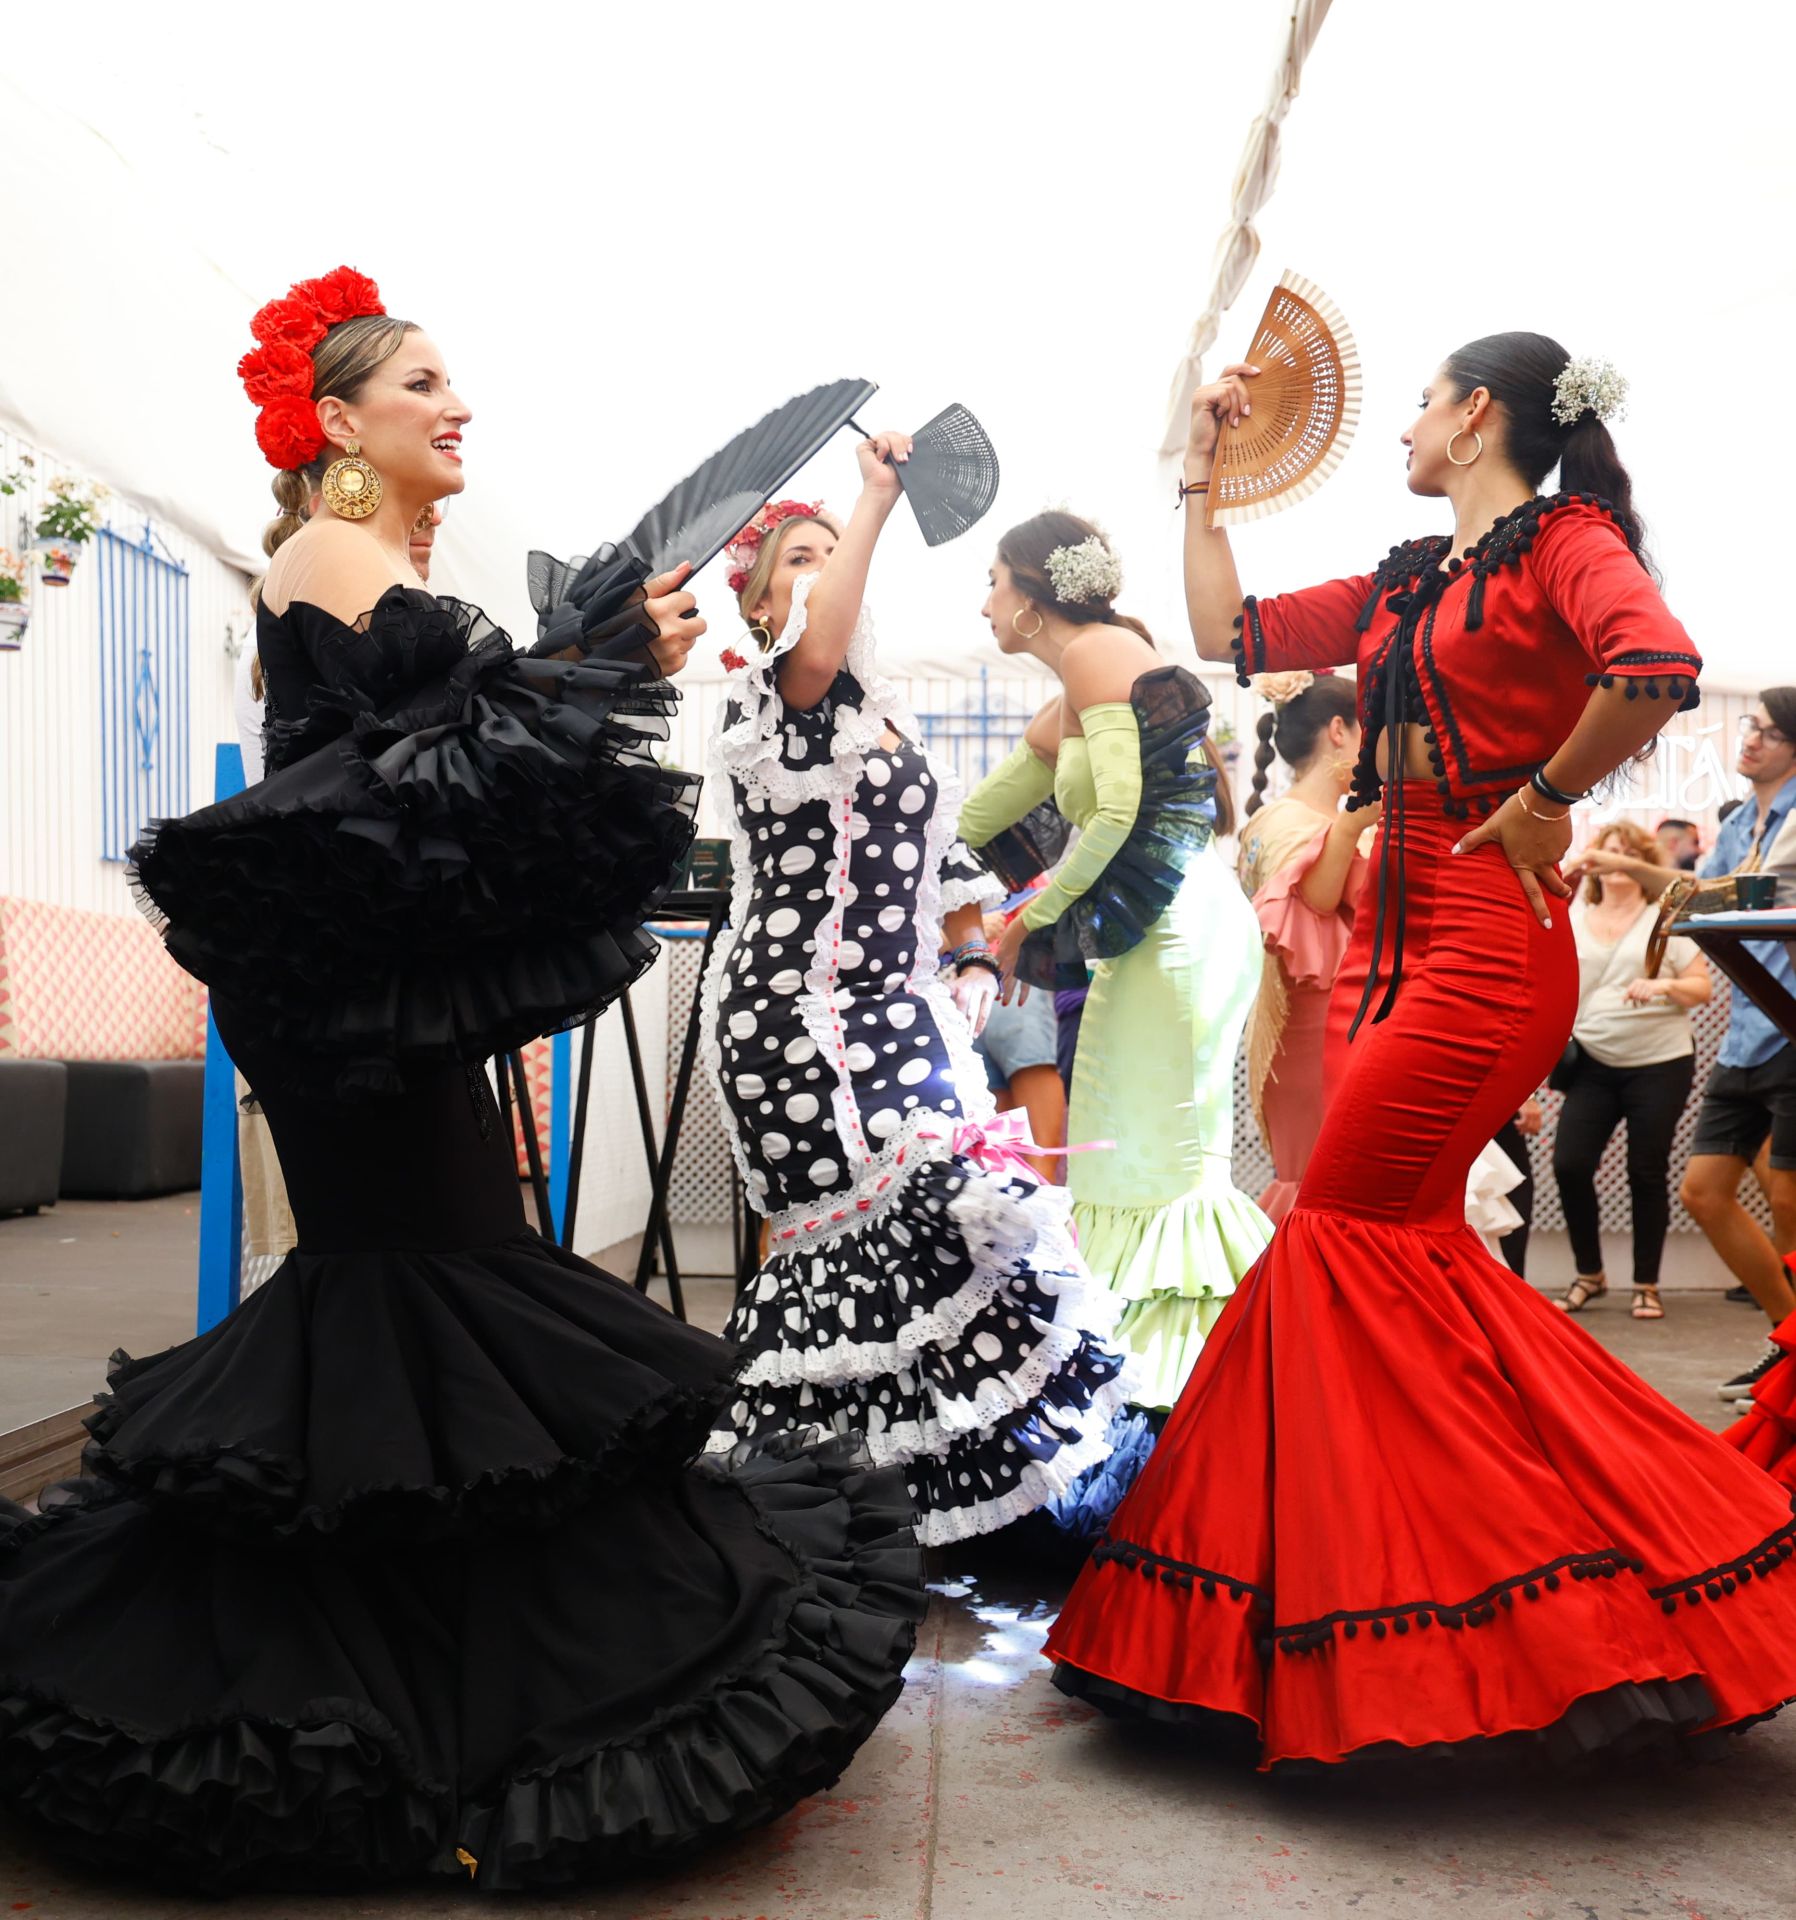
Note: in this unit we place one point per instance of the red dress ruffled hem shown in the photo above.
(1448, 1552)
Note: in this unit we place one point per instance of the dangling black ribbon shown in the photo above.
(1400, 678)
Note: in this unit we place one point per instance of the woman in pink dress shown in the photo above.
(1301, 866)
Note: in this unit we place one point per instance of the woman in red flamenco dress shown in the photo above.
(1397, 1505)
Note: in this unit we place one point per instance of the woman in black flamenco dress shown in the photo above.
(407, 1566)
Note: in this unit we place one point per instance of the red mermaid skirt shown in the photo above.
(1403, 1502)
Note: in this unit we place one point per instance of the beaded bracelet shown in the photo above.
(985, 961)
(1544, 787)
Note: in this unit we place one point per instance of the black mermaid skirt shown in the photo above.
(407, 1568)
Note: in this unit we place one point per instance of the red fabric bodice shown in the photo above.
(1496, 651)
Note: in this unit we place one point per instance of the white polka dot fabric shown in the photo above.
(910, 1293)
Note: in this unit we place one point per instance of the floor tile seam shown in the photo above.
(936, 1716)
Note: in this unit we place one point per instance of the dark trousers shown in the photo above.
(1651, 1100)
(1514, 1244)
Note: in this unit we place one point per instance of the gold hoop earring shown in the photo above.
(1478, 448)
(351, 487)
(762, 635)
(1041, 620)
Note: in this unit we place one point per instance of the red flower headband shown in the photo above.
(277, 374)
(745, 549)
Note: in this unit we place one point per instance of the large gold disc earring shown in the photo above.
(351, 487)
(1477, 447)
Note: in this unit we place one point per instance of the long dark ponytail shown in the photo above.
(1291, 732)
(1521, 371)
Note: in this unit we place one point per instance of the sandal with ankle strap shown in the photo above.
(1647, 1304)
(1581, 1292)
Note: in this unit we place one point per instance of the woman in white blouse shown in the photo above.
(1634, 1058)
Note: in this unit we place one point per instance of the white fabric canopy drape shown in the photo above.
(1239, 246)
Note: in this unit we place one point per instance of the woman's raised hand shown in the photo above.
(1220, 403)
(678, 622)
(880, 458)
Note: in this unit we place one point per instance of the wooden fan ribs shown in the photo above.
(1305, 408)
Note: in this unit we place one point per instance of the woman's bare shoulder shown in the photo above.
(334, 565)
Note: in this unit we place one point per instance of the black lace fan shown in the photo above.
(951, 478)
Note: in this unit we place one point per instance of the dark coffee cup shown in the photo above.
(1757, 891)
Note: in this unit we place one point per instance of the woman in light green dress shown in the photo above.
(1146, 911)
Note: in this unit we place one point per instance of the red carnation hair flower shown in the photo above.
(270, 372)
(278, 375)
(289, 323)
(288, 432)
(342, 294)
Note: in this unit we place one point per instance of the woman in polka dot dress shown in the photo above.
(920, 1286)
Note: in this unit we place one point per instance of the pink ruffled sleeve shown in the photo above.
(1310, 946)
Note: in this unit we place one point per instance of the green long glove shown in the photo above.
(1113, 741)
(1012, 790)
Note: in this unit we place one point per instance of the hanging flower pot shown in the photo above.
(70, 518)
(15, 609)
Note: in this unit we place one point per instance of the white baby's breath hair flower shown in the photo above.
(1089, 571)
(1591, 386)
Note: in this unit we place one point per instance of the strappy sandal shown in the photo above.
(1647, 1305)
(1581, 1292)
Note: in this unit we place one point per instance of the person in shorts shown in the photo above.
(1019, 1048)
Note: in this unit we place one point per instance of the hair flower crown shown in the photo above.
(745, 549)
(1087, 572)
(277, 372)
(1589, 386)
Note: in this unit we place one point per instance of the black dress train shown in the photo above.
(408, 1566)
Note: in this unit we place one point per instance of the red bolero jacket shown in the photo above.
(1494, 653)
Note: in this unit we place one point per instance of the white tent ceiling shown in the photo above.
(632, 232)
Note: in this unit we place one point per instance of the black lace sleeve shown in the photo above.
(462, 861)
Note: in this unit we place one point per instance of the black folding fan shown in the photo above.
(950, 480)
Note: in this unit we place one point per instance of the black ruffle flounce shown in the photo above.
(1175, 821)
(402, 1396)
(462, 866)
(221, 1717)
(1616, 1721)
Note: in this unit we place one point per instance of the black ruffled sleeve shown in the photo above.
(462, 861)
(1174, 821)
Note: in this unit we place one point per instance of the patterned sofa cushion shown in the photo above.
(76, 985)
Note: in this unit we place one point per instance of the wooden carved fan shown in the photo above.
(1305, 408)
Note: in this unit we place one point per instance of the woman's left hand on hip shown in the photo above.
(1533, 845)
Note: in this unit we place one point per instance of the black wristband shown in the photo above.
(984, 960)
(1544, 787)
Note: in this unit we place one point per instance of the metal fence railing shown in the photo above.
(144, 694)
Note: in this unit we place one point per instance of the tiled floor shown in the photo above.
(986, 1796)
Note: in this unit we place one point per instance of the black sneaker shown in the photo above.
(1741, 1385)
(1743, 1295)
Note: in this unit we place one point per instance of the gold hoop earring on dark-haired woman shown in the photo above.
(762, 635)
(351, 487)
(1477, 448)
(1041, 620)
